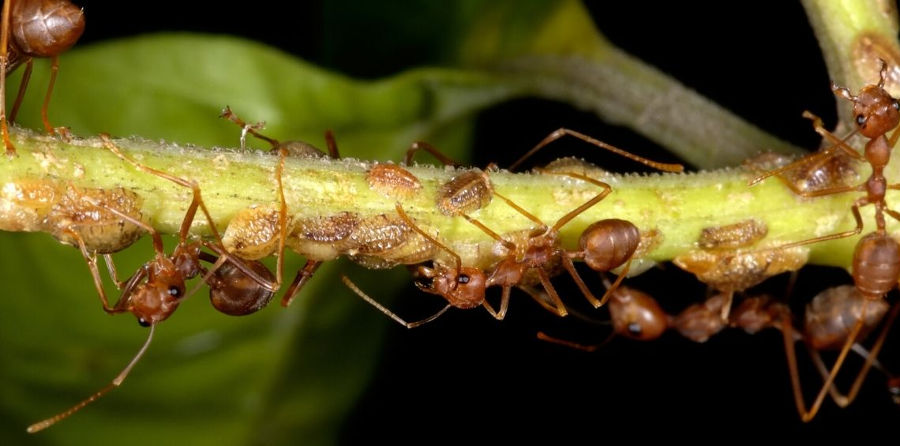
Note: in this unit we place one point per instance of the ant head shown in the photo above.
(156, 300)
(636, 315)
(463, 288)
(235, 293)
(609, 243)
(874, 110)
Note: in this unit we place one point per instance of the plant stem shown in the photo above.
(678, 206)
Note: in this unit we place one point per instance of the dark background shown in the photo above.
(465, 372)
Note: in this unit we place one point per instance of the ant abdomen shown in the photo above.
(833, 314)
(46, 28)
(233, 292)
(876, 265)
(609, 243)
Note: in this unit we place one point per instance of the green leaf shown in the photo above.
(208, 378)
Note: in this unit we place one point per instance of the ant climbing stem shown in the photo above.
(156, 290)
(29, 29)
(876, 259)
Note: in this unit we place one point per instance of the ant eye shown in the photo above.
(860, 120)
(174, 291)
(463, 279)
(143, 322)
(634, 328)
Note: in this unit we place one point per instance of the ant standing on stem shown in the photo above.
(876, 259)
(29, 29)
(154, 292)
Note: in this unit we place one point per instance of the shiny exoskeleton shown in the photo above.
(876, 260)
(156, 290)
(29, 29)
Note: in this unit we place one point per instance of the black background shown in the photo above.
(466, 373)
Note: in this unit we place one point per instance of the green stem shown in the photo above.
(678, 206)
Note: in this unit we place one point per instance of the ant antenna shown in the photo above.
(41, 425)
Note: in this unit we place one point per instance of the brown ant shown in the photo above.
(876, 259)
(636, 315)
(154, 292)
(29, 29)
(284, 149)
(604, 245)
(834, 318)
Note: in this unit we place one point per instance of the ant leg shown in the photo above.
(331, 143)
(61, 131)
(4, 63)
(559, 133)
(807, 415)
(570, 267)
(504, 304)
(560, 309)
(389, 313)
(842, 400)
(300, 280)
(588, 204)
(587, 348)
(859, 227)
(611, 288)
(837, 143)
(23, 85)
(91, 260)
(113, 273)
(116, 382)
(247, 128)
(421, 145)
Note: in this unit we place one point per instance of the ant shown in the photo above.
(835, 317)
(284, 149)
(604, 245)
(154, 292)
(876, 259)
(29, 29)
(636, 315)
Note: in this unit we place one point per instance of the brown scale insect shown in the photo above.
(29, 29)
(282, 149)
(80, 218)
(154, 292)
(733, 236)
(385, 241)
(732, 271)
(830, 172)
(24, 204)
(392, 181)
(876, 259)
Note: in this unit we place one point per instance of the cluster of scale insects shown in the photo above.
(105, 221)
